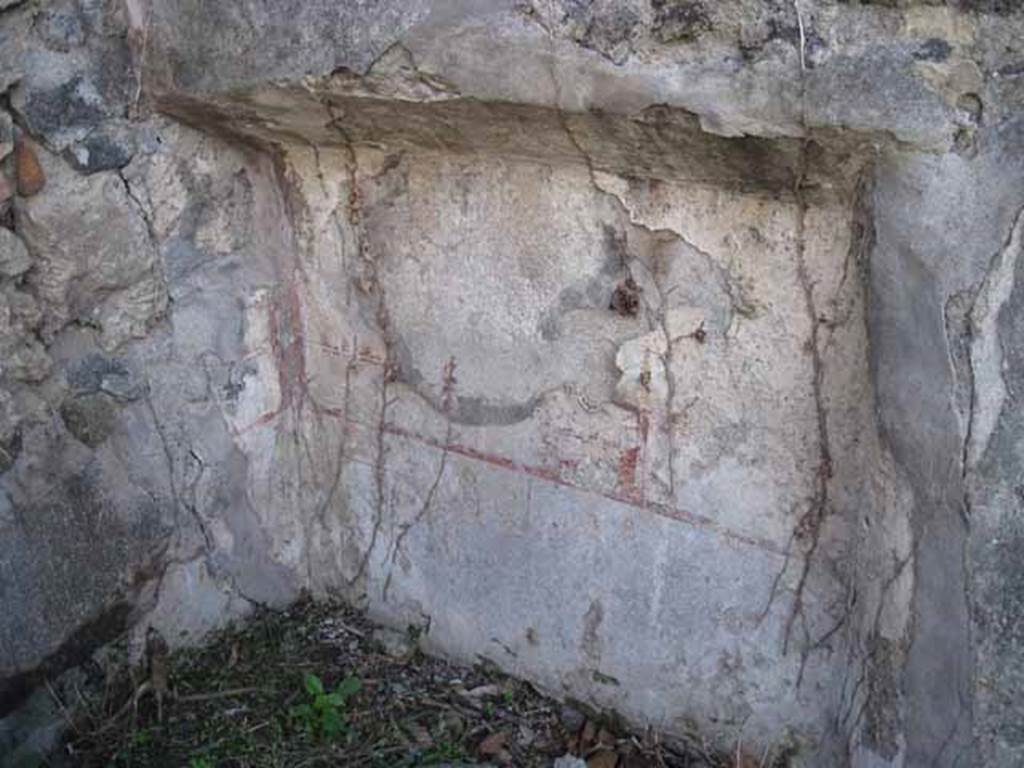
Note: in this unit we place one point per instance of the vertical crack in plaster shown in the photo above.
(448, 390)
(290, 351)
(808, 528)
(379, 478)
(338, 231)
(861, 241)
(854, 706)
(987, 389)
(206, 548)
(982, 365)
(143, 212)
(319, 518)
(668, 359)
(289, 344)
(139, 15)
(371, 285)
(172, 481)
(342, 452)
(154, 240)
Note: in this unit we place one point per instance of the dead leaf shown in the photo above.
(420, 734)
(745, 760)
(633, 760)
(551, 745)
(454, 725)
(483, 690)
(588, 736)
(494, 743)
(603, 759)
(526, 736)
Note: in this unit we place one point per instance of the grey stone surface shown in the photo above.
(30, 734)
(95, 262)
(6, 135)
(109, 146)
(664, 353)
(14, 258)
(73, 67)
(394, 643)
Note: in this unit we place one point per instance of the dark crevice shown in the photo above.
(101, 630)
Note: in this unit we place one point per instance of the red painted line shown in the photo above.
(261, 421)
(552, 475)
(627, 470)
(633, 498)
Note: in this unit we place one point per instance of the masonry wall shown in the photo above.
(664, 358)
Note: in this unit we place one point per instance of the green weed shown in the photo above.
(322, 715)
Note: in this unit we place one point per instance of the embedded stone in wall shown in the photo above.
(14, 258)
(95, 260)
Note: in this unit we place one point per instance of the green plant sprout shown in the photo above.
(323, 714)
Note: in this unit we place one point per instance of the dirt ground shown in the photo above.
(319, 685)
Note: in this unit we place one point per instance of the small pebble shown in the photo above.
(395, 644)
(31, 179)
(483, 690)
(571, 718)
